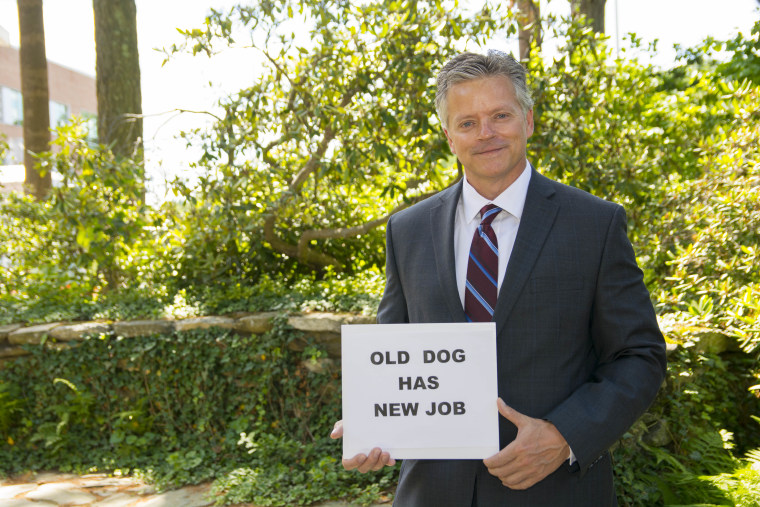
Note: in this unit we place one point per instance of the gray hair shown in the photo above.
(471, 66)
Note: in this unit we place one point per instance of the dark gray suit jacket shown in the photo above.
(577, 339)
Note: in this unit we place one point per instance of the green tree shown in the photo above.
(592, 10)
(117, 69)
(34, 89)
(337, 133)
(745, 60)
(91, 241)
(529, 22)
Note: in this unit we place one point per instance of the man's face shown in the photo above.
(488, 132)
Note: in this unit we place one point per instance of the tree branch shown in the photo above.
(347, 232)
(307, 254)
(302, 250)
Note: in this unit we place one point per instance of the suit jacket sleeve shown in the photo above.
(392, 309)
(629, 349)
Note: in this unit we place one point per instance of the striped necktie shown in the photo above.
(482, 269)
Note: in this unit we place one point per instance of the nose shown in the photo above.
(486, 130)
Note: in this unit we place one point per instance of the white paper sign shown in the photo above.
(420, 391)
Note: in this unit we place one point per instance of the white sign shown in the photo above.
(420, 391)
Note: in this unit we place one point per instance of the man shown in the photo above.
(580, 355)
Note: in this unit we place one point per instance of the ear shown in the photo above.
(451, 142)
(529, 124)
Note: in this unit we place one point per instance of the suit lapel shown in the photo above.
(442, 218)
(537, 219)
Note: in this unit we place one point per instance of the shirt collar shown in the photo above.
(511, 200)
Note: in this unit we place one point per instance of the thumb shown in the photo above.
(510, 414)
(337, 431)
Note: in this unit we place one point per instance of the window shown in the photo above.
(59, 113)
(91, 124)
(11, 106)
(15, 153)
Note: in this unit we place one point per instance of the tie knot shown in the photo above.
(488, 213)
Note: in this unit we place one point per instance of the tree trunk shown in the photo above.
(592, 9)
(118, 77)
(34, 90)
(529, 22)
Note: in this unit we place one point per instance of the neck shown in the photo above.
(492, 188)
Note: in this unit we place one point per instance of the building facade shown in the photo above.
(71, 93)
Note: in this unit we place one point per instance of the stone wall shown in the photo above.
(322, 327)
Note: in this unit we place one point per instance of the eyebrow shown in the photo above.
(501, 108)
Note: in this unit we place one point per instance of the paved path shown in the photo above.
(96, 490)
(100, 490)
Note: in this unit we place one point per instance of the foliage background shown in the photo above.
(287, 214)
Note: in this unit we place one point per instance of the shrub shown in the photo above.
(92, 245)
(184, 408)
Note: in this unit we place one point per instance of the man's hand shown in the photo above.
(538, 450)
(376, 460)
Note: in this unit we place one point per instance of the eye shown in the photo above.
(501, 116)
(466, 124)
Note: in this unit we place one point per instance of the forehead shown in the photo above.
(481, 95)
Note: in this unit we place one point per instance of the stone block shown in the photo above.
(204, 323)
(319, 322)
(238, 315)
(104, 482)
(186, 497)
(713, 342)
(117, 500)
(11, 351)
(329, 340)
(298, 344)
(6, 330)
(361, 319)
(61, 493)
(13, 490)
(79, 330)
(32, 334)
(44, 477)
(706, 339)
(134, 328)
(658, 435)
(258, 323)
(319, 366)
(20, 502)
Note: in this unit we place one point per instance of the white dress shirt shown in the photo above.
(511, 201)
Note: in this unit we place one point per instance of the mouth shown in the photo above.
(489, 151)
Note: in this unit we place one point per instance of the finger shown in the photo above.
(500, 460)
(375, 460)
(372, 462)
(385, 460)
(355, 462)
(337, 431)
(510, 414)
(519, 484)
(514, 478)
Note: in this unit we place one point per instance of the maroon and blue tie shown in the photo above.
(483, 269)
